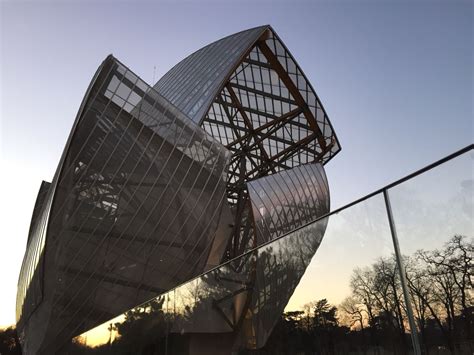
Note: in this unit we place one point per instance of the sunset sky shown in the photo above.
(396, 79)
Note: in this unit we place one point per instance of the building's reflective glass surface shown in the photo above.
(148, 195)
(350, 299)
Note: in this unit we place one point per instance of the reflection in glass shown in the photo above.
(350, 299)
(434, 219)
(234, 306)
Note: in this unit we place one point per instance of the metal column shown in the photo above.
(401, 269)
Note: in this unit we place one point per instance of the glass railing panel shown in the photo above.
(235, 307)
(338, 305)
(433, 215)
(209, 309)
(205, 306)
(330, 287)
(342, 304)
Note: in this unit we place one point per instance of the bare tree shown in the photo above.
(354, 311)
(450, 275)
(388, 291)
(362, 283)
(421, 296)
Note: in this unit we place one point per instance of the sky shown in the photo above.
(395, 77)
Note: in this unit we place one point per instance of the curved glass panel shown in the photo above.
(192, 84)
(30, 287)
(139, 203)
(287, 200)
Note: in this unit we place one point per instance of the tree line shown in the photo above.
(373, 318)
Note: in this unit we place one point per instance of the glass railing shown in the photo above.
(390, 273)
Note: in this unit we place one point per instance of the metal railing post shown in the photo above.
(401, 269)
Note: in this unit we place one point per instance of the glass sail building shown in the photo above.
(158, 185)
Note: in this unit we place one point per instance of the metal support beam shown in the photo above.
(402, 272)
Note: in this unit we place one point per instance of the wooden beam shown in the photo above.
(296, 146)
(225, 124)
(249, 125)
(318, 158)
(276, 65)
(257, 63)
(247, 109)
(265, 114)
(283, 118)
(236, 128)
(262, 93)
(272, 130)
